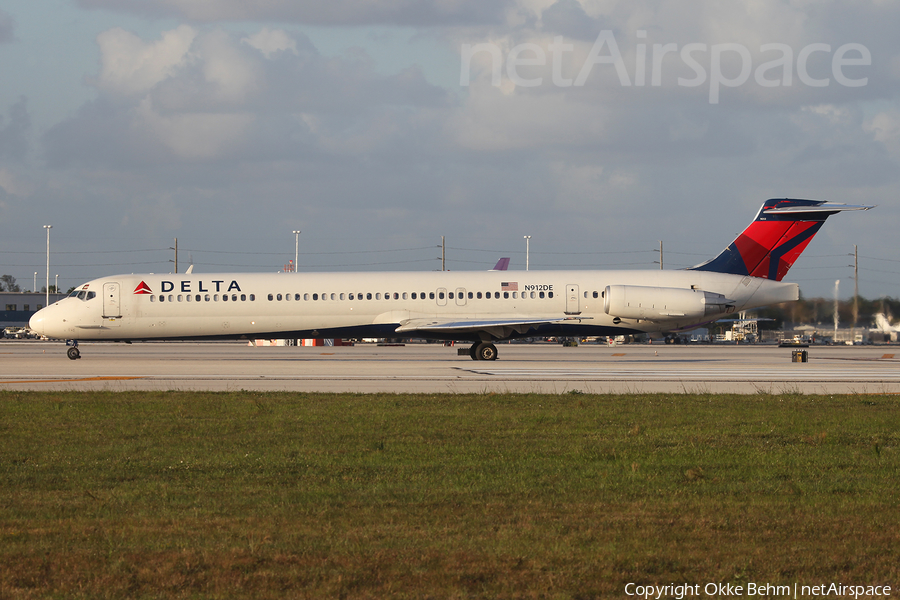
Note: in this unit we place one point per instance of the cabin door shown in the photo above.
(111, 306)
(572, 302)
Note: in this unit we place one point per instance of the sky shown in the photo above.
(601, 128)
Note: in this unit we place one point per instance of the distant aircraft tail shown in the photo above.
(883, 323)
(775, 239)
(502, 264)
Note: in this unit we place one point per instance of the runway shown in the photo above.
(433, 368)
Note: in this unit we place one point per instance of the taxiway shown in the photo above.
(433, 368)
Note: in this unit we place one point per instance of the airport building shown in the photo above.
(17, 307)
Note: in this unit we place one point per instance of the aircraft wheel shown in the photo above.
(472, 352)
(73, 353)
(485, 351)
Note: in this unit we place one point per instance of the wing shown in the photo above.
(498, 328)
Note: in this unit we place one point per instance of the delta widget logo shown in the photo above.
(142, 288)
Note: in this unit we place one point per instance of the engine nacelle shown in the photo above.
(660, 303)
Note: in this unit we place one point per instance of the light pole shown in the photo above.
(296, 248)
(527, 249)
(34, 283)
(56, 284)
(47, 285)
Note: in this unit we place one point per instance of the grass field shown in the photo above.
(204, 495)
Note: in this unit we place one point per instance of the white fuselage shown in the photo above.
(231, 305)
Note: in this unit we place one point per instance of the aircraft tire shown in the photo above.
(73, 353)
(485, 351)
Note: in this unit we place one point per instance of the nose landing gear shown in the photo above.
(73, 353)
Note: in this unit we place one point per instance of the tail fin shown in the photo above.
(775, 239)
(502, 265)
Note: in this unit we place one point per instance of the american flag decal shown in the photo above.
(509, 286)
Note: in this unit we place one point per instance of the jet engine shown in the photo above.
(658, 303)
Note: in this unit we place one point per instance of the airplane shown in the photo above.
(883, 326)
(481, 307)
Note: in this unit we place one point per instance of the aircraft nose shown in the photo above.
(37, 321)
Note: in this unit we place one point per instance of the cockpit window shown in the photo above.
(83, 295)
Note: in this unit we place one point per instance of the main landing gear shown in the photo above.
(73, 353)
(483, 351)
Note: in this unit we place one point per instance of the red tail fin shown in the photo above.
(773, 242)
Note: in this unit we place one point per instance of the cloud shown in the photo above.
(14, 136)
(269, 41)
(131, 66)
(210, 95)
(7, 27)
(424, 13)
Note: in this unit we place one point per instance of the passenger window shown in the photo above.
(478, 295)
(595, 293)
(431, 295)
(206, 298)
(152, 298)
(441, 295)
(278, 297)
(413, 295)
(404, 296)
(549, 294)
(162, 298)
(315, 296)
(189, 298)
(350, 297)
(342, 295)
(333, 297)
(243, 297)
(224, 297)
(234, 297)
(541, 294)
(271, 297)
(216, 298)
(179, 297)
(450, 295)
(506, 294)
(368, 295)
(470, 295)
(396, 296)
(252, 297)
(197, 298)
